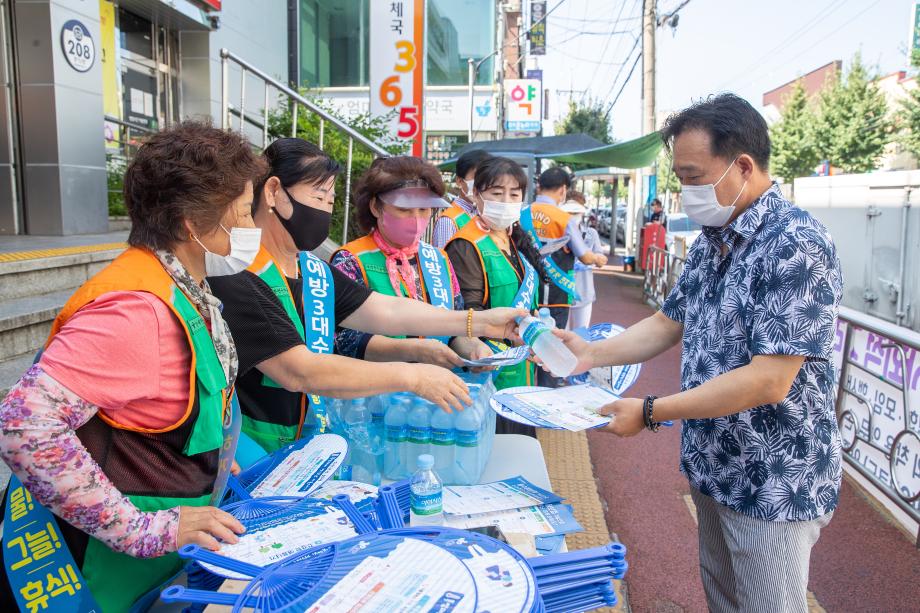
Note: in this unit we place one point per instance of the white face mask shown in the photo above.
(500, 215)
(244, 246)
(702, 206)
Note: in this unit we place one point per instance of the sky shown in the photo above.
(745, 46)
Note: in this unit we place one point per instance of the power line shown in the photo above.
(606, 44)
(616, 51)
(828, 35)
(782, 43)
(620, 71)
(628, 76)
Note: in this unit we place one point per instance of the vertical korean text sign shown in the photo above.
(523, 105)
(397, 68)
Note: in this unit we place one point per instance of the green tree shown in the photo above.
(667, 181)
(853, 126)
(908, 122)
(795, 152)
(591, 119)
(335, 144)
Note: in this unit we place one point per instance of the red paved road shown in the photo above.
(861, 562)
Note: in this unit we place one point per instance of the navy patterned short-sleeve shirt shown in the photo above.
(775, 291)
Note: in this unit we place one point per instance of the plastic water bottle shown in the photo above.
(546, 318)
(419, 428)
(467, 446)
(359, 440)
(396, 426)
(550, 349)
(442, 443)
(426, 503)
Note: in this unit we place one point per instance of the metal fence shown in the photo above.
(297, 103)
(662, 269)
(901, 449)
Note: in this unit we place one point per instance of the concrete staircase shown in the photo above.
(33, 290)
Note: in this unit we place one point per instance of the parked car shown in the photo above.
(678, 224)
(621, 225)
(603, 222)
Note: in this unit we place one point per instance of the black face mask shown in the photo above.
(308, 226)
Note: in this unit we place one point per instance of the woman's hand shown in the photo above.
(207, 527)
(580, 347)
(497, 323)
(472, 349)
(431, 351)
(439, 386)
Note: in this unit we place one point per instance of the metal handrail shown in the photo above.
(296, 100)
(896, 339)
(661, 270)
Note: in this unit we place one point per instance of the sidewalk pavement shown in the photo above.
(862, 562)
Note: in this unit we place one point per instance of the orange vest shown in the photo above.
(549, 221)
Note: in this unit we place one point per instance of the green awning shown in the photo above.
(636, 153)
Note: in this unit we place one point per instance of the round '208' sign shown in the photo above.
(78, 46)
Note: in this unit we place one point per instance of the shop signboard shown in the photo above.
(397, 52)
(538, 27)
(523, 105)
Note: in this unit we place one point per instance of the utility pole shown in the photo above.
(649, 25)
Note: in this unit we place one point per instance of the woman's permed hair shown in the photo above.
(389, 173)
(192, 172)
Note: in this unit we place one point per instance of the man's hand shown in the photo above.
(627, 416)
(600, 260)
(207, 527)
(439, 386)
(497, 323)
(431, 351)
(578, 346)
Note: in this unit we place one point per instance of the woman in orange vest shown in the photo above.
(393, 202)
(116, 436)
(497, 263)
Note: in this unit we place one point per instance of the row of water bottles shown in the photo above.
(387, 433)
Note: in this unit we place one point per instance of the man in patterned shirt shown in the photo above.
(754, 310)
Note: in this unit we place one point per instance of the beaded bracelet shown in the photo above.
(648, 408)
(469, 323)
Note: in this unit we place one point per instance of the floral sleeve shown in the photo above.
(38, 423)
(348, 342)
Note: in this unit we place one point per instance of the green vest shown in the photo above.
(271, 436)
(503, 284)
(187, 454)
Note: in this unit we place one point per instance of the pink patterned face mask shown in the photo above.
(401, 232)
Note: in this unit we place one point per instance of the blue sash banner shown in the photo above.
(318, 318)
(559, 277)
(41, 571)
(524, 297)
(437, 280)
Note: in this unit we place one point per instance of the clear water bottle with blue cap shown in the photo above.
(419, 428)
(467, 450)
(396, 428)
(546, 317)
(359, 440)
(547, 346)
(426, 502)
(442, 442)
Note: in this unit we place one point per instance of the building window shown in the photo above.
(458, 30)
(333, 43)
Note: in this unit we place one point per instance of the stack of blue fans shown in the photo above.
(466, 571)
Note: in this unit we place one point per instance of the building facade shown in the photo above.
(84, 80)
(333, 62)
